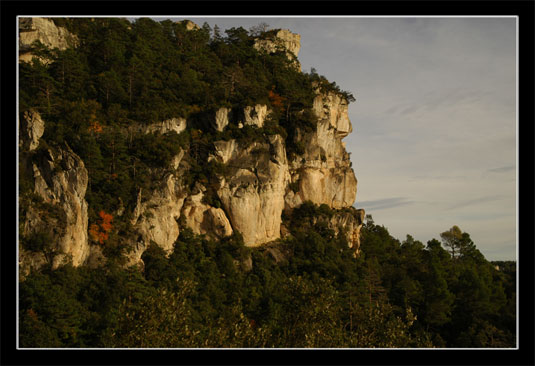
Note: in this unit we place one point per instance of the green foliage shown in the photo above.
(455, 296)
(201, 295)
(158, 319)
(38, 242)
(325, 86)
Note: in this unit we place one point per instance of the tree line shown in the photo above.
(306, 290)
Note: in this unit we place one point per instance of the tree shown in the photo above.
(258, 29)
(467, 249)
(438, 299)
(452, 240)
(160, 318)
(100, 232)
(217, 34)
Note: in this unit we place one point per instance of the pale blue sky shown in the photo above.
(434, 123)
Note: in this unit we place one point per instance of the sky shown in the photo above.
(434, 140)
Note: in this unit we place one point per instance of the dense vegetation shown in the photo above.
(304, 291)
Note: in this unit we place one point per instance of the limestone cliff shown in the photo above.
(155, 218)
(257, 179)
(323, 172)
(189, 25)
(253, 193)
(59, 211)
(348, 223)
(31, 129)
(281, 40)
(204, 219)
(174, 124)
(45, 31)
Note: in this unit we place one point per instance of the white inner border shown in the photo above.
(272, 16)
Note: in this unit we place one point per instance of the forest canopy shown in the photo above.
(223, 294)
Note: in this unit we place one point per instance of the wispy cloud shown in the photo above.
(434, 100)
(450, 178)
(502, 169)
(477, 201)
(375, 205)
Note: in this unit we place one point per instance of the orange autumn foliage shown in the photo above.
(95, 127)
(276, 100)
(32, 314)
(99, 232)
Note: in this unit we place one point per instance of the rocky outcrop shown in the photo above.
(32, 128)
(60, 215)
(174, 124)
(224, 151)
(68, 177)
(255, 116)
(155, 218)
(280, 40)
(45, 31)
(252, 193)
(333, 107)
(189, 25)
(204, 219)
(221, 119)
(348, 223)
(323, 172)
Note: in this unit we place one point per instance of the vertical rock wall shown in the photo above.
(60, 181)
(260, 182)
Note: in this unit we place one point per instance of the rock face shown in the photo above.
(60, 180)
(256, 115)
(174, 124)
(221, 119)
(45, 31)
(348, 224)
(253, 193)
(224, 151)
(189, 25)
(204, 219)
(155, 219)
(281, 39)
(323, 172)
(32, 128)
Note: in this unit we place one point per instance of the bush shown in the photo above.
(37, 242)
